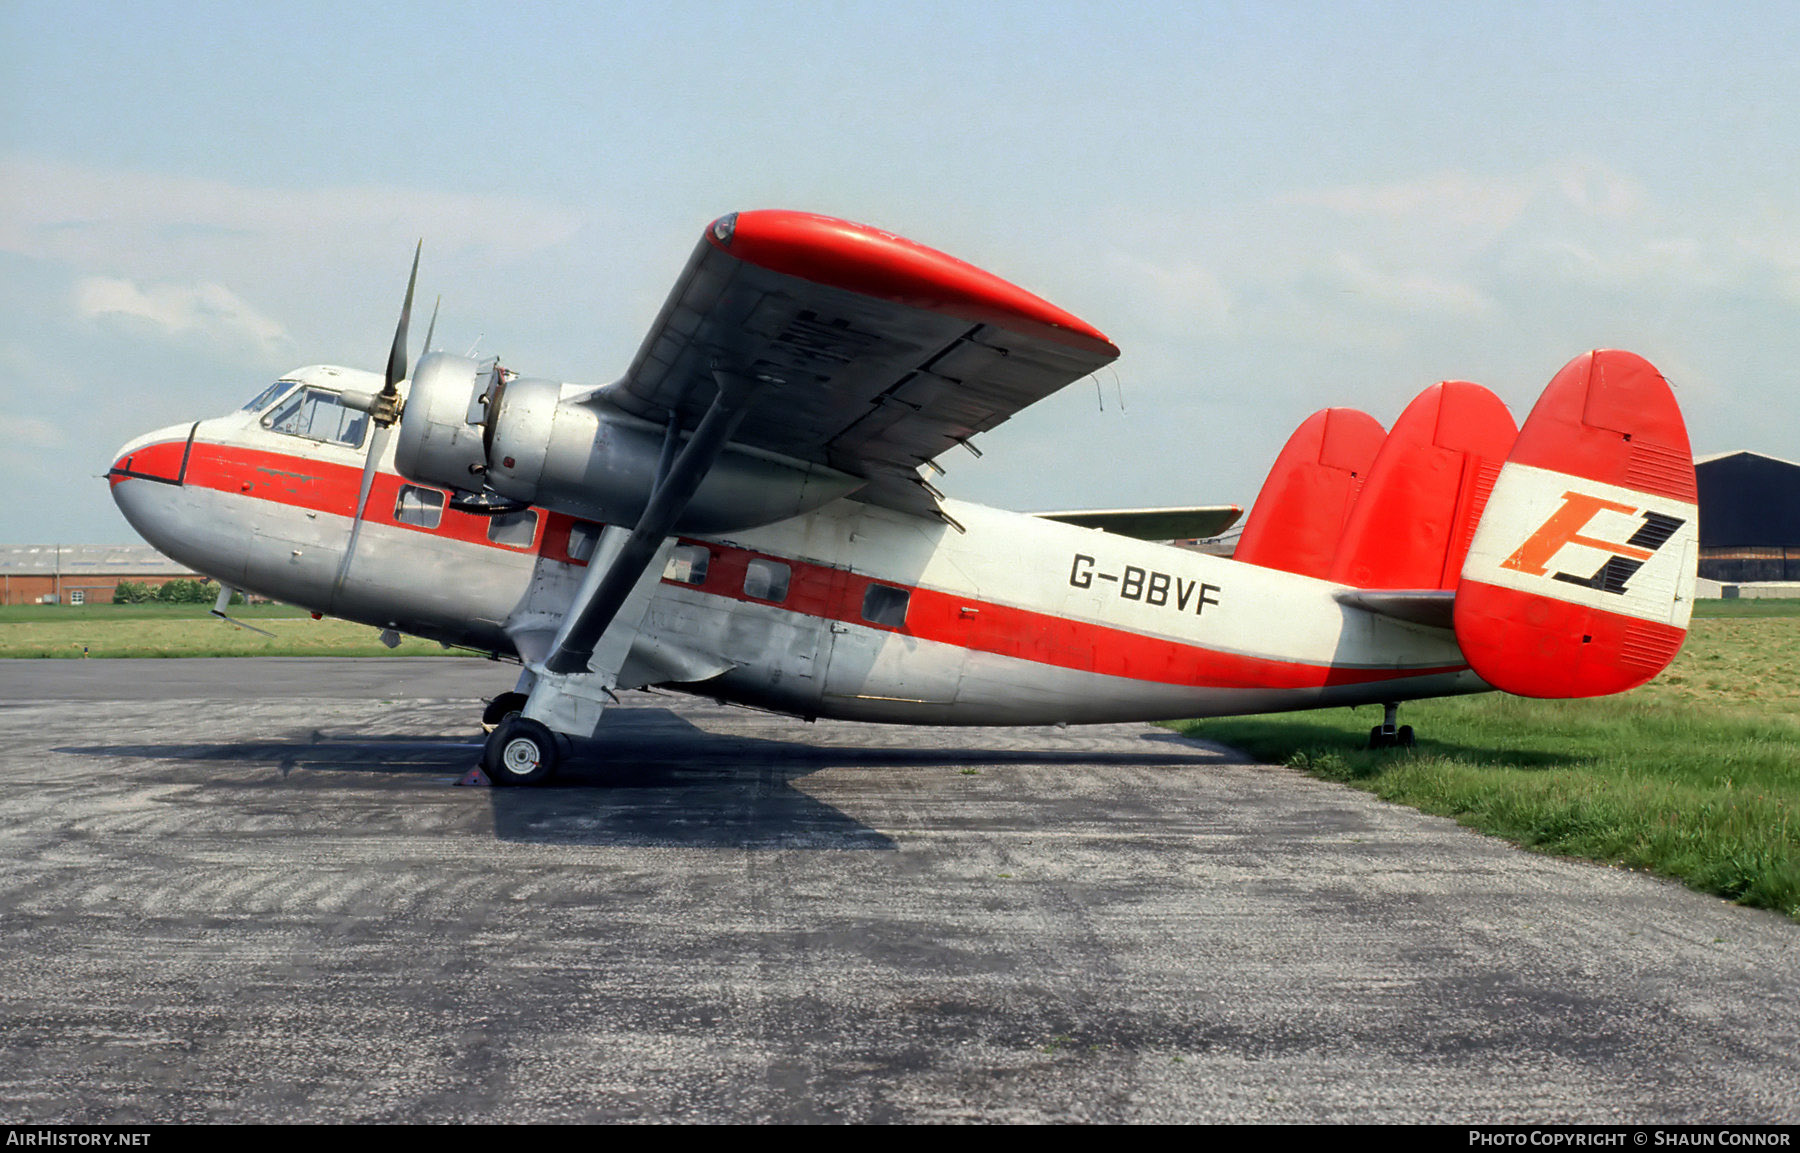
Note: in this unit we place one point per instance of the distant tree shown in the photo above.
(184, 592)
(132, 593)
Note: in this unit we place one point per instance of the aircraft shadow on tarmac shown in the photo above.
(653, 779)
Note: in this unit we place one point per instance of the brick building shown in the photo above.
(80, 573)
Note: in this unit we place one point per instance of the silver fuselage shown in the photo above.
(1001, 618)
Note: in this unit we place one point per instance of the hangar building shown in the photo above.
(1749, 517)
(76, 574)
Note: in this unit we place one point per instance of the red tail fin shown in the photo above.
(1299, 515)
(1580, 581)
(1417, 513)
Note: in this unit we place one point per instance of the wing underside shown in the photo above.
(866, 353)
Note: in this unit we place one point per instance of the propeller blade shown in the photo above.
(384, 412)
(378, 438)
(432, 327)
(396, 366)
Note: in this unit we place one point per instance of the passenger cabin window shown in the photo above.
(687, 564)
(419, 507)
(766, 580)
(583, 536)
(268, 396)
(514, 529)
(319, 415)
(885, 605)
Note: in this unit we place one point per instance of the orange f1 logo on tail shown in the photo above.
(1565, 528)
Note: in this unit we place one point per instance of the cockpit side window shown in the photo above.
(268, 395)
(316, 414)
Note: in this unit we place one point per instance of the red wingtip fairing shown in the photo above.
(861, 259)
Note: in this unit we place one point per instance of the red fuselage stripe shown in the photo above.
(814, 590)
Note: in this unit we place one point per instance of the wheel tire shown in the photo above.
(1376, 740)
(498, 709)
(1405, 736)
(520, 752)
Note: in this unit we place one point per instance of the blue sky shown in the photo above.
(1270, 208)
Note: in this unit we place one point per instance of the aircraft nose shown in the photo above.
(164, 494)
(159, 456)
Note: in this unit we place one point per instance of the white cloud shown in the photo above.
(1411, 290)
(206, 310)
(145, 223)
(1472, 206)
(1177, 299)
(30, 432)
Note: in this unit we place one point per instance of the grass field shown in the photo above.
(33, 631)
(1694, 776)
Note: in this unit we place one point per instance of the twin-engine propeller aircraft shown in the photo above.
(744, 515)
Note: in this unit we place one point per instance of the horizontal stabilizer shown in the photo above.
(1580, 581)
(1196, 523)
(1433, 608)
(1299, 515)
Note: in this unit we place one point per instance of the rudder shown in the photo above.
(1416, 516)
(1580, 580)
(1299, 515)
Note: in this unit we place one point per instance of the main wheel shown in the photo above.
(1405, 737)
(498, 709)
(520, 752)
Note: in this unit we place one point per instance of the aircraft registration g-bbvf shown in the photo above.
(746, 514)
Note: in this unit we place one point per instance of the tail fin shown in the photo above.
(1580, 581)
(1417, 513)
(1299, 515)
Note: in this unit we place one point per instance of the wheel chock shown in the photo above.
(477, 778)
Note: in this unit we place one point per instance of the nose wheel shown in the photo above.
(520, 752)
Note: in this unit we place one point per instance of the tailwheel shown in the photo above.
(1388, 735)
(520, 752)
(501, 707)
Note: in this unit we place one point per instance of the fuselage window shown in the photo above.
(766, 580)
(514, 529)
(687, 564)
(885, 605)
(316, 414)
(583, 536)
(420, 507)
(267, 396)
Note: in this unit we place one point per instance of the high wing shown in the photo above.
(866, 352)
(823, 341)
(1191, 523)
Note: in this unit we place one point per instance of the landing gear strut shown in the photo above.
(520, 752)
(1385, 735)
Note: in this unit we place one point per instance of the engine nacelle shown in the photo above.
(440, 440)
(587, 459)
